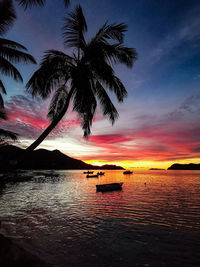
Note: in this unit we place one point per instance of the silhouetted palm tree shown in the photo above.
(83, 77)
(30, 3)
(10, 52)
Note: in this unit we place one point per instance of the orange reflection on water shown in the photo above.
(165, 198)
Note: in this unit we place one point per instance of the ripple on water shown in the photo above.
(62, 216)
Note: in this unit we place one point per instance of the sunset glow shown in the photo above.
(159, 121)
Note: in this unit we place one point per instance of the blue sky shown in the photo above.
(163, 86)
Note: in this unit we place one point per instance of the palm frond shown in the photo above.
(102, 70)
(11, 44)
(74, 28)
(30, 3)
(67, 2)
(16, 56)
(1, 102)
(118, 53)
(2, 88)
(107, 106)
(84, 101)
(105, 74)
(111, 31)
(7, 15)
(8, 69)
(117, 87)
(58, 102)
(53, 72)
(111, 53)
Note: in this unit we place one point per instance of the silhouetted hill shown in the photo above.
(45, 159)
(190, 166)
(111, 167)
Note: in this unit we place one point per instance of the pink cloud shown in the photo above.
(153, 142)
(27, 117)
(109, 139)
(161, 140)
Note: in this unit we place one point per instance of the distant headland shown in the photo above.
(43, 159)
(190, 166)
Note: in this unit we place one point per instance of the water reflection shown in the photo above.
(154, 211)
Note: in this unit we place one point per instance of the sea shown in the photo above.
(60, 217)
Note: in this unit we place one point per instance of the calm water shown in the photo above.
(58, 215)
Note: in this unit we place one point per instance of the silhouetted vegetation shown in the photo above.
(42, 159)
(10, 52)
(83, 77)
(190, 166)
(30, 3)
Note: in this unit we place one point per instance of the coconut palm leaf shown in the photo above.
(15, 56)
(74, 27)
(107, 106)
(30, 3)
(12, 44)
(1, 103)
(112, 31)
(58, 102)
(8, 69)
(7, 15)
(53, 72)
(2, 88)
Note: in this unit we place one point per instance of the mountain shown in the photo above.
(190, 166)
(45, 159)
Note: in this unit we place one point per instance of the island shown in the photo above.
(190, 166)
(43, 159)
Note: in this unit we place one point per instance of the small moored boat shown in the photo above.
(109, 187)
(92, 176)
(127, 172)
(100, 173)
(88, 172)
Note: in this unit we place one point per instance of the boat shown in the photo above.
(109, 187)
(100, 173)
(92, 176)
(127, 172)
(88, 172)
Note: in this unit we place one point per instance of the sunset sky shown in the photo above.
(159, 120)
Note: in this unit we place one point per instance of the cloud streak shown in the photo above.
(172, 136)
(27, 117)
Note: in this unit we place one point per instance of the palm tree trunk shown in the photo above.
(44, 134)
(52, 125)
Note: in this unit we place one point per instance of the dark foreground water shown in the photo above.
(58, 215)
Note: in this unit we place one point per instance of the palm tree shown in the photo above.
(30, 3)
(10, 52)
(83, 77)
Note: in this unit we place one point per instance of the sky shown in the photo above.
(159, 120)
